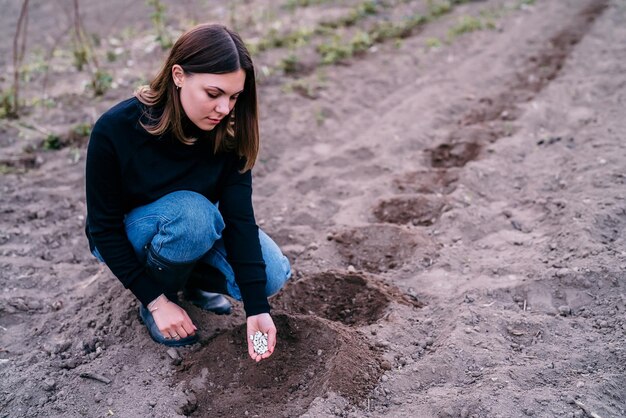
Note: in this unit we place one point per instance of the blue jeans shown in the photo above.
(184, 227)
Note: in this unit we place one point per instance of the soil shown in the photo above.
(454, 213)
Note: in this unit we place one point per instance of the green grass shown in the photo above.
(101, 82)
(82, 129)
(359, 12)
(293, 4)
(432, 43)
(52, 143)
(467, 24)
(289, 64)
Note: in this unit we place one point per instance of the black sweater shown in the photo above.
(127, 167)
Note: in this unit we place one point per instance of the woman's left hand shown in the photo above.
(261, 322)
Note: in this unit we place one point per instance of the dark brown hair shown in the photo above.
(214, 49)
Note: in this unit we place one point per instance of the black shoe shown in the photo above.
(205, 288)
(208, 301)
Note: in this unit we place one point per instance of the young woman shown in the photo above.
(169, 191)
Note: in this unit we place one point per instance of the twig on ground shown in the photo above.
(93, 376)
(586, 410)
(93, 278)
(19, 48)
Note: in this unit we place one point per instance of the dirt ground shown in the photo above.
(454, 213)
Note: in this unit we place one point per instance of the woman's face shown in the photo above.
(208, 98)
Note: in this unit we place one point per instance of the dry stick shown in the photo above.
(82, 39)
(586, 410)
(55, 43)
(18, 53)
(93, 376)
(93, 278)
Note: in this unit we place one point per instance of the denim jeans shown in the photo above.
(184, 226)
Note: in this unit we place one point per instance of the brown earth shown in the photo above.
(454, 212)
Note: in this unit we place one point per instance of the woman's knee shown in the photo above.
(277, 266)
(198, 217)
(277, 276)
(188, 225)
(195, 227)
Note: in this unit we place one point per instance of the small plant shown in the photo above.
(6, 169)
(37, 63)
(273, 39)
(389, 30)
(158, 20)
(82, 129)
(289, 64)
(437, 8)
(45, 102)
(81, 57)
(111, 56)
(359, 12)
(302, 87)
(52, 143)
(465, 24)
(101, 82)
(361, 42)
(334, 51)
(293, 4)
(7, 103)
(433, 43)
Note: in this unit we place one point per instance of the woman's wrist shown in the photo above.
(154, 305)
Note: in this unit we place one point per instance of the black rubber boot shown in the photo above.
(173, 276)
(205, 289)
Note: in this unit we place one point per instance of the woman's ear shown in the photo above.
(178, 75)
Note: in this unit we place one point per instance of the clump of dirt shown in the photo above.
(313, 357)
(417, 210)
(379, 247)
(439, 181)
(346, 298)
(454, 154)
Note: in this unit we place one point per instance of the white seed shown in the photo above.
(259, 342)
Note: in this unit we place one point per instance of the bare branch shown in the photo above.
(19, 48)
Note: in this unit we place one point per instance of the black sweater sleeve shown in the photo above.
(105, 220)
(241, 239)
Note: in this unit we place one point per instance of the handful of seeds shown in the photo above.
(259, 341)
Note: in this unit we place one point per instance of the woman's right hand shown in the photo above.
(171, 319)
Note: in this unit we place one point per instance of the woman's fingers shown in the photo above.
(271, 340)
(182, 333)
(251, 351)
(188, 324)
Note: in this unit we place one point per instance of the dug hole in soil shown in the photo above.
(451, 201)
